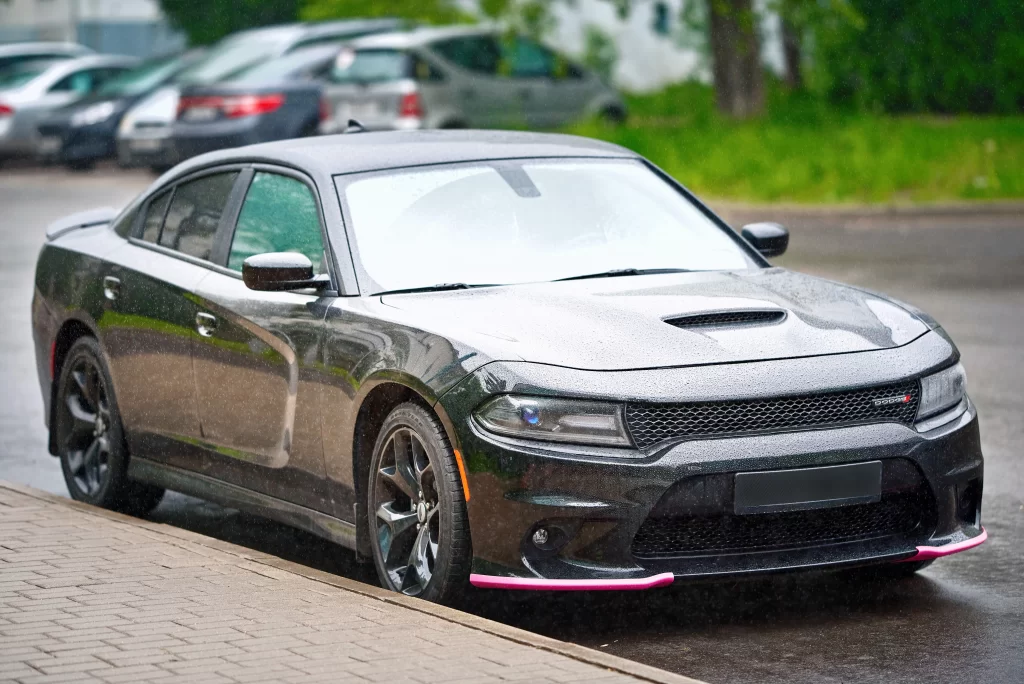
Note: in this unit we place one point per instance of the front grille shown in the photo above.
(653, 423)
(724, 318)
(907, 513)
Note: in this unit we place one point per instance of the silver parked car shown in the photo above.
(461, 77)
(30, 90)
(143, 138)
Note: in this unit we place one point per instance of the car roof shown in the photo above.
(43, 48)
(296, 32)
(419, 37)
(360, 152)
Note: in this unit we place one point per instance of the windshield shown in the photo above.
(286, 66)
(369, 66)
(534, 220)
(232, 57)
(140, 80)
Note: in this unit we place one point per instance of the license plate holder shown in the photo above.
(795, 489)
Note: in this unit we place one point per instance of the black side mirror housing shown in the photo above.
(770, 239)
(280, 271)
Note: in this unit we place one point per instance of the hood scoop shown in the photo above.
(722, 319)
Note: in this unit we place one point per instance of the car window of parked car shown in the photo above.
(230, 58)
(80, 82)
(20, 73)
(301, 63)
(524, 58)
(141, 79)
(547, 219)
(280, 214)
(479, 54)
(370, 66)
(194, 214)
(153, 221)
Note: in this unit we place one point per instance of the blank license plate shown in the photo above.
(146, 144)
(808, 488)
(50, 144)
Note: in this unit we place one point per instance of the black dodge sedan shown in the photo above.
(509, 360)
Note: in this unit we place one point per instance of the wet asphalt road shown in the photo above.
(960, 620)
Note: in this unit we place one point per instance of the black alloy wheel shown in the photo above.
(89, 437)
(416, 508)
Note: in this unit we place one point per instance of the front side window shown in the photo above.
(195, 212)
(526, 221)
(279, 215)
(80, 82)
(479, 54)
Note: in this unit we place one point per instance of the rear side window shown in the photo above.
(279, 215)
(370, 66)
(194, 214)
(154, 218)
(479, 54)
(526, 59)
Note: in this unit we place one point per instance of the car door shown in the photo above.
(149, 323)
(257, 358)
(483, 96)
(553, 91)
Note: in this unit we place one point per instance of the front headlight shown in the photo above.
(943, 397)
(574, 421)
(95, 114)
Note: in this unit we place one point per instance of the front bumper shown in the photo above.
(67, 144)
(593, 505)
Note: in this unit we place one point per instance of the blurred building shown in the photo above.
(653, 45)
(129, 27)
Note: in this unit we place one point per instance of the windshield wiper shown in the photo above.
(440, 287)
(615, 273)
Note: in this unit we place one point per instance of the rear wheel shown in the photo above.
(419, 529)
(89, 437)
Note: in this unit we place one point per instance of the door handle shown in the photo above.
(111, 288)
(206, 324)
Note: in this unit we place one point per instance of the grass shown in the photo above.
(804, 151)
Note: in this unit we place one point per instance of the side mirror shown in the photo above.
(770, 239)
(279, 271)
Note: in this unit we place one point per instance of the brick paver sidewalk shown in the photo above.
(88, 595)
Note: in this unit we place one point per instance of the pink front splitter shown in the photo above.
(929, 552)
(540, 584)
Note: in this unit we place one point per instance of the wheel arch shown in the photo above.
(70, 331)
(378, 397)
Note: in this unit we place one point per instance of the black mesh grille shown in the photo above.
(653, 423)
(908, 513)
(727, 318)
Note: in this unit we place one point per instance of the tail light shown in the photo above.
(411, 106)
(325, 109)
(234, 106)
(6, 110)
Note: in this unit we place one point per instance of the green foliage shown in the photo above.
(208, 21)
(807, 151)
(427, 11)
(599, 52)
(923, 55)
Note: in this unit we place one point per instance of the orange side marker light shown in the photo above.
(462, 473)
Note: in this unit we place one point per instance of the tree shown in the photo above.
(429, 11)
(207, 21)
(736, 58)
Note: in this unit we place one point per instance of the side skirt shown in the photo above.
(200, 486)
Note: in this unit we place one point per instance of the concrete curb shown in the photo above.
(174, 534)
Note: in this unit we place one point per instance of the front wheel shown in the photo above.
(418, 525)
(89, 436)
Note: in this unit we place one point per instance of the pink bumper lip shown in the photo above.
(929, 552)
(540, 584)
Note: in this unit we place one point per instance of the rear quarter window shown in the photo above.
(370, 66)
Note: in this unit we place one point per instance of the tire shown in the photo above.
(614, 116)
(90, 439)
(418, 525)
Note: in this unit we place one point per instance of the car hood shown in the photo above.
(620, 323)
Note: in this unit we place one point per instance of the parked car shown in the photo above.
(31, 90)
(520, 361)
(273, 100)
(461, 77)
(143, 138)
(16, 53)
(80, 134)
